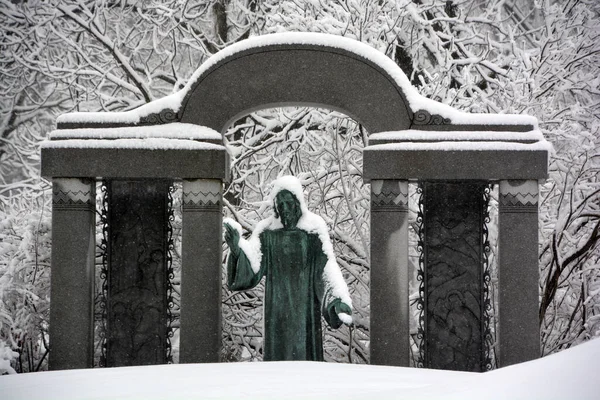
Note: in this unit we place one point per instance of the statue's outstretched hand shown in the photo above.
(232, 237)
(344, 313)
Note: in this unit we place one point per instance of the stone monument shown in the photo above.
(453, 156)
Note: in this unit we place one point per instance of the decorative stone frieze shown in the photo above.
(202, 195)
(389, 196)
(518, 196)
(74, 194)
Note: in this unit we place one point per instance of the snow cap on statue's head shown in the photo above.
(291, 184)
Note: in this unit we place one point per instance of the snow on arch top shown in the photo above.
(198, 100)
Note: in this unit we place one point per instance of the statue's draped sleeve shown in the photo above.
(240, 275)
(331, 315)
(323, 287)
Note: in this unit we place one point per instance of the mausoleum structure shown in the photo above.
(454, 157)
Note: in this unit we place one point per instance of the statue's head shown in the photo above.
(287, 197)
(287, 207)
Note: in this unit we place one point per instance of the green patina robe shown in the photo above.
(292, 264)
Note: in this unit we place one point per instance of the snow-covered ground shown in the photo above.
(572, 374)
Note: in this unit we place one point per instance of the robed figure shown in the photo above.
(303, 281)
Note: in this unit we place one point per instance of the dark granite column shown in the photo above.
(137, 272)
(518, 272)
(389, 273)
(72, 280)
(453, 251)
(202, 240)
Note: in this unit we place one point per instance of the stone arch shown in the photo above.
(301, 69)
(296, 75)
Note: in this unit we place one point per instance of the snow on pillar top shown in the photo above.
(456, 155)
(173, 150)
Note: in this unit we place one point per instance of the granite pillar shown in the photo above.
(137, 272)
(453, 283)
(72, 280)
(518, 273)
(389, 273)
(200, 335)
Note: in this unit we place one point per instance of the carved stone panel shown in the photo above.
(137, 272)
(453, 223)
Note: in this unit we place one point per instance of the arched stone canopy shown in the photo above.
(301, 69)
(297, 75)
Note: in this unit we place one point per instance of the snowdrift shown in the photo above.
(571, 374)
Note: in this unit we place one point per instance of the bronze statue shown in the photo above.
(293, 252)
